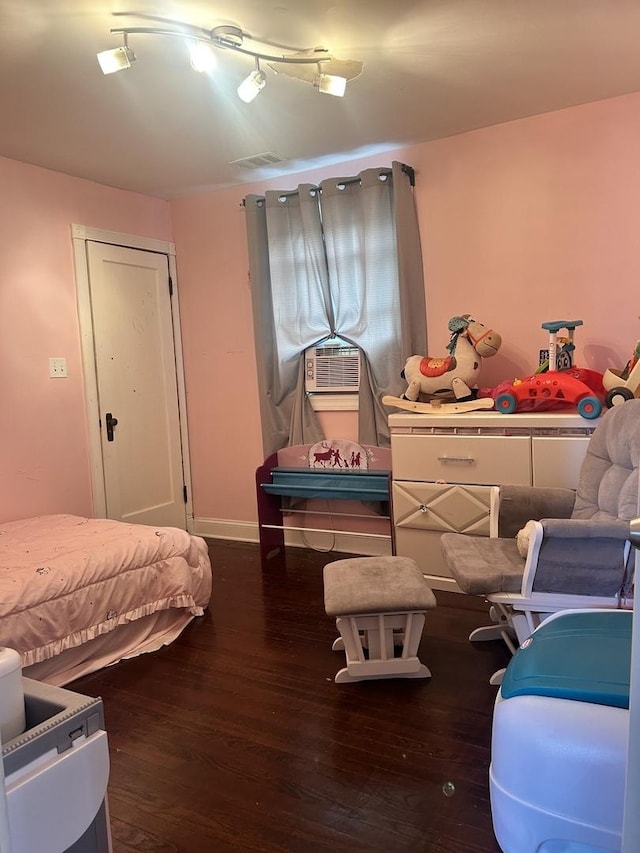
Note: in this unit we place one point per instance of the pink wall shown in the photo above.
(43, 451)
(521, 223)
(220, 373)
(532, 221)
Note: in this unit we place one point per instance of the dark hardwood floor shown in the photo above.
(236, 738)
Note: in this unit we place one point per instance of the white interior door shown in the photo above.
(137, 385)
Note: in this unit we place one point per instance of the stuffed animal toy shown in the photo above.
(455, 375)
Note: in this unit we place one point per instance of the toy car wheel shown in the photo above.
(506, 403)
(589, 407)
(618, 395)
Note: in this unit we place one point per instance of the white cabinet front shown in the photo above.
(557, 460)
(462, 458)
(442, 507)
(446, 472)
(424, 511)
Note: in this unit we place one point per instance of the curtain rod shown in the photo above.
(411, 172)
(408, 170)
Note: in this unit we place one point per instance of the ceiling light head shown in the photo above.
(201, 57)
(331, 84)
(116, 60)
(252, 85)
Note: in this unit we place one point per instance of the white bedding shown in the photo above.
(66, 580)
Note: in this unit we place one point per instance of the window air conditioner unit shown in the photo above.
(332, 367)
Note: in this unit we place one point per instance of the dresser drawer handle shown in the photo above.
(467, 459)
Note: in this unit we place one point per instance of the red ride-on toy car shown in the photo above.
(562, 386)
(571, 386)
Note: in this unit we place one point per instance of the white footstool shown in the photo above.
(379, 604)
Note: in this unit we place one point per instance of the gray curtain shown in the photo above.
(340, 259)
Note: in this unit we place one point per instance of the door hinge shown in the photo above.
(184, 493)
(170, 286)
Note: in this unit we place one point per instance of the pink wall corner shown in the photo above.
(44, 453)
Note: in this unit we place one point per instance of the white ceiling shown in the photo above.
(432, 68)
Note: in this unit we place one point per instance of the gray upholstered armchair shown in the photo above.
(557, 549)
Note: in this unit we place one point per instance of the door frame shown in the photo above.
(80, 235)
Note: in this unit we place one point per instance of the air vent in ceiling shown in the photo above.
(258, 161)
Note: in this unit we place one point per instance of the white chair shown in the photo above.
(577, 554)
(607, 551)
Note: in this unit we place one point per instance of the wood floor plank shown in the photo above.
(236, 738)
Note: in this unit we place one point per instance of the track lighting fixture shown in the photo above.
(312, 65)
(201, 57)
(331, 84)
(252, 85)
(117, 59)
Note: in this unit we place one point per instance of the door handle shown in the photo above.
(111, 424)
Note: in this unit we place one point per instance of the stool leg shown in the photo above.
(351, 640)
(412, 634)
(379, 630)
(380, 640)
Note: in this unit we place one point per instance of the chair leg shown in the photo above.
(488, 632)
(503, 629)
(496, 678)
(523, 626)
(496, 632)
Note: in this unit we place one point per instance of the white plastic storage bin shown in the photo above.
(560, 736)
(56, 774)
(557, 775)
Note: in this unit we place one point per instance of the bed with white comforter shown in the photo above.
(77, 594)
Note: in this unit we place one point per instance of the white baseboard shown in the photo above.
(246, 531)
(217, 528)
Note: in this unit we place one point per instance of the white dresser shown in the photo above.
(445, 470)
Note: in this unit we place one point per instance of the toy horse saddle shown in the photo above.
(437, 366)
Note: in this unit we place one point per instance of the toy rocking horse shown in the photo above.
(450, 379)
